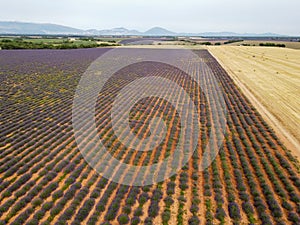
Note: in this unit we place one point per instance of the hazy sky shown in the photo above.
(260, 16)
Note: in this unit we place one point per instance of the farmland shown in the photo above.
(272, 75)
(288, 44)
(36, 42)
(44, 179)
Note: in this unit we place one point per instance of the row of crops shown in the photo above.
(45, 180)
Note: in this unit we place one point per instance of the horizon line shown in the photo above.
(157, 26)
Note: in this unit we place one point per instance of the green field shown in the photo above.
(54, 42)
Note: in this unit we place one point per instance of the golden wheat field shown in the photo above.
(270, 77)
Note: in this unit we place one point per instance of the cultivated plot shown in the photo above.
(44, 179)
(272, 76)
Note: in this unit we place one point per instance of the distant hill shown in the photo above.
(21, 28)
(114, 31)
(36, 28)
(156, 31)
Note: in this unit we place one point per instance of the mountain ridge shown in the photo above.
(27, 28)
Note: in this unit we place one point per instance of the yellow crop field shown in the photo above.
(270, 78)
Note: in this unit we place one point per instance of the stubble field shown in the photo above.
(270, 77)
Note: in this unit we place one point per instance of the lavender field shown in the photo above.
(44, 178)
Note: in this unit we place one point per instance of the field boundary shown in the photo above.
(283, 134)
